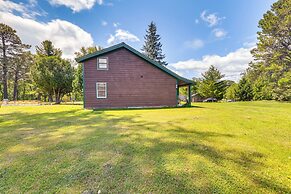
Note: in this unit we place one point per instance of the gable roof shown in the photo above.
(123, 45)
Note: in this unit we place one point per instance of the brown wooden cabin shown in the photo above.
(121, 77)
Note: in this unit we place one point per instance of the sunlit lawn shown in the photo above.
(213, 147)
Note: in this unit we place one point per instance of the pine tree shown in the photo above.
(20, 71)
(270, 73)
(10, 47)
(230, 93)
(211, 84)
(244, 90)
(152, 46)
(47, 48)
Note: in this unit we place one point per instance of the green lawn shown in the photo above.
(213, 147)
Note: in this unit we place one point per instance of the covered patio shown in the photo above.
(188, 84)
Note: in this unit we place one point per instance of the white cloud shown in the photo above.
(249, 44)
(104, 23)
(32, 2)
(195, 44)
(10, 6)
(211, 19)
(111, 39)
(122, 35)
(116, 24)
(65, 35)
(232, 64)
(177, 72)
(26, 11)
(76, 5)
(250, 41)
(219, 33)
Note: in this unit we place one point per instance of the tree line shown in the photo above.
(46, 75)
(268, 77)
(213, 85)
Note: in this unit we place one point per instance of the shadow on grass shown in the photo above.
(98, 150)
(148, 108)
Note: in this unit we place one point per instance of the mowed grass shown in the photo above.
(241, 147)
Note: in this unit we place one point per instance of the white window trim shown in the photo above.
(98, 68)
(97, 94)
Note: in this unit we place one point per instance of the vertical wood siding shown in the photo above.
(131, 82)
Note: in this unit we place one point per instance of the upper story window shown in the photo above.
(102, 63)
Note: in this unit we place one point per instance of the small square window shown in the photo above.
(101, 89)
(102, 63)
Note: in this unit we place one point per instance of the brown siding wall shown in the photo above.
(131, 82)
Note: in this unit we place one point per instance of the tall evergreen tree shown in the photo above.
(270, 72)
(244, 90)
(230, 93)
(10, 47)
(211, 84)
(152, 46)
(47, 48)
(20, 71)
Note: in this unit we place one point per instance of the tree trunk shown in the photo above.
(4, 80)
(50, 98)
(23, 94)
(15, 88)
(31, 95)
(1, 92)
(58, 97)
(39, 96)
(5, 70)
(58, 101)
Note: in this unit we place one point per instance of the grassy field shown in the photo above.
(242, 147)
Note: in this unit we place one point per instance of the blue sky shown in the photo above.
(195, 34)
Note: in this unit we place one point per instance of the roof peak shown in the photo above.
(134, 51)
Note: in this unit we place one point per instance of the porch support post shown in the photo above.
(84, 96)
(177, 92)
(189, 95)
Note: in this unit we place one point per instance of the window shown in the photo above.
(101, 89)
(102, 63)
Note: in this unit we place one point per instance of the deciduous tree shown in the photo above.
(52, 74)
(87, 50)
